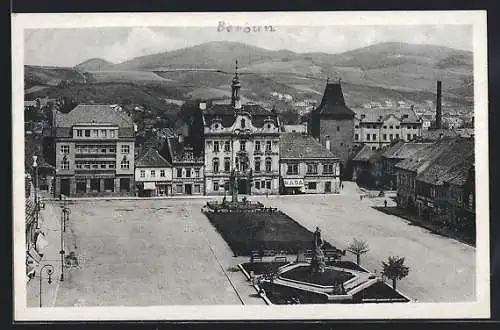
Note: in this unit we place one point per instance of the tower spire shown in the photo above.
(235, 89)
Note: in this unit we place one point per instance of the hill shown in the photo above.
(94, 64)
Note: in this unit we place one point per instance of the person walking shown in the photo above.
(385, 203)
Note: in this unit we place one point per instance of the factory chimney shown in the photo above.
(438, 106)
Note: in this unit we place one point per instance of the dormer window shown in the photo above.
(216, 126)
(243, 123)
(269, 126)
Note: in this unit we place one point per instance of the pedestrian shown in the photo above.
(360, 197)
(385, 203)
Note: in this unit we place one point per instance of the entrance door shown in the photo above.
(242, 186)
(188, 189)
(65, 187)
(328, 186)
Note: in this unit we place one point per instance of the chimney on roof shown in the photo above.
(327, 143)
(180, 138)
(438, 106)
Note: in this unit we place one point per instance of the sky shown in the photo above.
(69, 47)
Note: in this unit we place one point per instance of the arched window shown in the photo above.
(216, 165)
(268, 164)
(243, 123)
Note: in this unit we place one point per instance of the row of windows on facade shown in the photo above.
(124, 165)
(312, 168)
(243, 165)
(104, 133)
(125, 149)
(373, 137)
(264, 184)
(178, 173)
(243, 145)
(95, 185)
(385, 126)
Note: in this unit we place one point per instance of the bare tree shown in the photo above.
(358, 247)
(395, 269)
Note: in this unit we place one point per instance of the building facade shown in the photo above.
(306, 166)
(187, 166)
(240, 139)
(153, 175)
(94, 146)
(379, 127)
(333, 121)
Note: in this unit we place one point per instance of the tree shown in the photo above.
(395, 269)
(358, 247)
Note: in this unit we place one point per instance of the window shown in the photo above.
(374, 137)
(162, 173)
(391, 127)
(103, 150)
(356, 126)
(111, 165)
(95, 133)
(257, 145)
(414, 126)
(338, 128)
(243, 123)
(268, 145)
(227, 164)
(356, 136)
(471, 201)
(86, 165)
(292, 169)
(367, 137)
(153, 173)
(216, 186)
(268, 184)
(408, 137)
(188, 172)
(384, 136)
(311, 185)
(87, 133)
(103, 133)
(374, 148)
(226, 185)
(103, 165)
(178, 188)
(125, 165)
(196, 189)
(243, 145)
(79, 165)
(385, 126)
(95, 165)
(79, 133)
(227, 146)
(397, 136)
(65, 165)
(112, 149)
(268, 164)
(312, 168)
(257, 185)
(244, 165)
(109, 184)
(125, 149)
(216, 165)
(197, 172)
(328, 168)
(179, 172)
(257, 164)
(112, 133)
(414, 136)
(391, 137)
(65, 149)
(216, 146)
(397, 127)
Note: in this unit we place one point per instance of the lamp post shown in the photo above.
(49, 269)
(35, 167)
(63, 214)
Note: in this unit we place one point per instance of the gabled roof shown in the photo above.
(93, 113)
(453, 161)
(403, 150)
(378, 115)
(300, 145)
(365, 154)
(152, 158)
(333, 103)
(423, 158)
(181, 151)
(228, 114)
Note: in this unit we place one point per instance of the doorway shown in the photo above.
(188, 189)
(328, 186)
(65, 187)
(243, 186)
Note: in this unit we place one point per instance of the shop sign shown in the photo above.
(293, 182)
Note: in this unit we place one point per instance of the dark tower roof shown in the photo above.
(333, 103)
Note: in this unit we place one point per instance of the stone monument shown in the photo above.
(318, 256)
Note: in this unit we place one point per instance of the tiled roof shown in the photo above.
(374, 115)
(364, 154)
(299, 145)
(423, 158)
(435, 134)
(228, 114)
(181, 151)
(333, 103)
(93, 113)
(454, 161)
(152, 159)
(403, 149)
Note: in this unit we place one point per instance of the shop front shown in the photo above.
(293, 186)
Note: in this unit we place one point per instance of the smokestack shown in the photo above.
(180, 138)
(438, 105)
(327, 143)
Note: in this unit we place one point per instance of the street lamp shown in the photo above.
(61, 252)
(49, 269)
(35, 167)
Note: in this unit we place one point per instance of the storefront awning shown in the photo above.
(149, 186)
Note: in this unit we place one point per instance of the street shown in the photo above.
(164, 252)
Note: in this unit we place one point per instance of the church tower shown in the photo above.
(235, 89)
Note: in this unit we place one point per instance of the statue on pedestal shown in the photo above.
(318, 258)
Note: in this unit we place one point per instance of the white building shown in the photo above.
(153, 175)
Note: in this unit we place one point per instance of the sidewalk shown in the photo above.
(50, 223)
